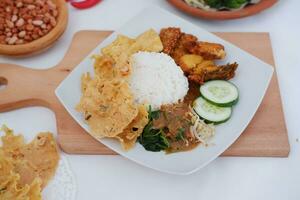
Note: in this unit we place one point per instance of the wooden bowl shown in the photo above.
(43, 42)
(223, 15)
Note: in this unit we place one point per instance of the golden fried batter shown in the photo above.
(185, 42)
(196, 57)
(176, 44)
(209, 51)
(212, 72)
(200, 70)
(169, 37)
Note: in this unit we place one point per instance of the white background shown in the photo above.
(113, 177)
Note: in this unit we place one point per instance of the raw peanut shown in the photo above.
(31, 7)
(45, 31)
(9, 34)
(8, 9)
(20, 22)
(48, 15)
(7, 30)
(14, 30)
(49, 27)
(39, 17)
(40, 32)
(8, 17)
(27, 38)
(14, 18)
(35, 36)
(1, 27)
(37, 22)
(10, 24)
(15, 11)
(45, 9)
(29, 21)
(12, 40)
(22, 34)
(44, 26)
(26, 16)
(39, 2)
(19, 4)
(29, 27)
(36, 30)
(20, 41)
(33, 13)
(46, 20)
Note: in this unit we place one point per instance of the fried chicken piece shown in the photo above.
(169, 38)
(209, 51)
(200, 70)
(185, 42)
(200, 74)
(223, 72)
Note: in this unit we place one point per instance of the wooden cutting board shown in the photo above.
(266, 135)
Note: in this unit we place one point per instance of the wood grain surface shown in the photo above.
(266, 135)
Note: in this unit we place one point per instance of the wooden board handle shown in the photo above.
(20, 90)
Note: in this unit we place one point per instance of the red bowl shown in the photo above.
(223, 15)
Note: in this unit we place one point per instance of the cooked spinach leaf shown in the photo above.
(153, 139)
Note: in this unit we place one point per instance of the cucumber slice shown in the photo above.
(220, 93)
(211, 112)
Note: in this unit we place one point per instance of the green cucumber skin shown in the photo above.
(216, 123)
(230, 104)
(211, 122)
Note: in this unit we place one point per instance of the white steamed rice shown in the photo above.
(156, 79)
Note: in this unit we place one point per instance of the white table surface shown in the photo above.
(114, 177)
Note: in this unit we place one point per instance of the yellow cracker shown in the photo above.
(118, 47)
(129, 136)
(147, 41)
(108, 106)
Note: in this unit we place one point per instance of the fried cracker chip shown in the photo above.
(118, 47)
(10, 141)
(129, 136)
(42, 154)
(34, 192)
(147, 41)
(38, 159)
(123, 47)
(108, 106)
(10, 188)
(5, 171)
(104, 67)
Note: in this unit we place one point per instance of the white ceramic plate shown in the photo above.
(252, 78)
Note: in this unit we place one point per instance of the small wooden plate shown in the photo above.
(223, 15)
(43, 42)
